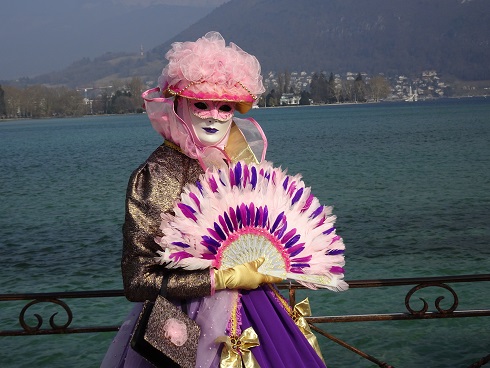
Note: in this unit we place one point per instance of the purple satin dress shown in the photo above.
(282, 344)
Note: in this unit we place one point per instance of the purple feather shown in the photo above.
(292, 188)
(221, 181)
(329, 231)
(308, 203)
(297, 196)
(239, 217)
(238, 174)
(285, 183)
(222, 222)
(233, 218)
(303, 259)
(282, 230)
(321, 221)
(243, 214)
(246, 175)
(212, 184)
(296, 270)
(249, 216)
(334, 252)
(266, 217)
(300, 265)
(232, 178)
(317, 212)
(336, 270)
(257, 216)
(196, 200)
(251, 210)
(292, 241)
(208, 242)
(187, 211)
(179, 256)
(276, 223)
(219, 231)
(254, 177)
(180, 244)
(228, 222)
(212, 250)
(214, 234)
(199, 186)
(296, 249)
(288, 235)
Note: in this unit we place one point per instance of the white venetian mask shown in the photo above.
(210, 120)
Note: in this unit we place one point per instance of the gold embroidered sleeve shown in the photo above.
(153, 188)
(188, 285)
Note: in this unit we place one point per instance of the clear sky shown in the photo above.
(40, 36)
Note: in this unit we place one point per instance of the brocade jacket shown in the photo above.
(153, 188)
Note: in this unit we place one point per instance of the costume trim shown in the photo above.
(236, 346)
(298, 314)
(172, 145)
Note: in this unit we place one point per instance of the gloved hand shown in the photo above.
(244, 276)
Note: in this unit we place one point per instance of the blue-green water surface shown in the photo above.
(409, 183)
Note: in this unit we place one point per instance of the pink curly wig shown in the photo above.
(207, 69)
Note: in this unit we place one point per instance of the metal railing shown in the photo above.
(58, 298)
(411, 314)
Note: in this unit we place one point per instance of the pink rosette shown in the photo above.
(175, 331)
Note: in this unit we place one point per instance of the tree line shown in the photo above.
(325, 89)
(38, 101)
(122, 97)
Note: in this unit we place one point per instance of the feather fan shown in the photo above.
(247, 211)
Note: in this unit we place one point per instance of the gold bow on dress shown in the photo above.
(299, 312)
(236, 350)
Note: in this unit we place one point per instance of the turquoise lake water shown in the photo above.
(409, 182)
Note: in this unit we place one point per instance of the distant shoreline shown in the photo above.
(268, 107)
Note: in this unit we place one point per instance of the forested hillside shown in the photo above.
(373, 36)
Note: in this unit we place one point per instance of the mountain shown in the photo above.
(38, 37)
(374, 36)
(390, 36)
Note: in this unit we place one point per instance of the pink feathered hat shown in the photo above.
(208, 69)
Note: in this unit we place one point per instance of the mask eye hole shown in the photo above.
(225, 108)
(201, 105)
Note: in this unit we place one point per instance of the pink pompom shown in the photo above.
(175, 331)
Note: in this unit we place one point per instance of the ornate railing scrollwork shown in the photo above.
(437, 303)
(313, 321)
(423, 313)
(57, 299)
(40, 320)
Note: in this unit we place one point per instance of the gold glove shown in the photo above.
(244, 276)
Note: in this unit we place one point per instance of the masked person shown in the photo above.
(201, 88)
